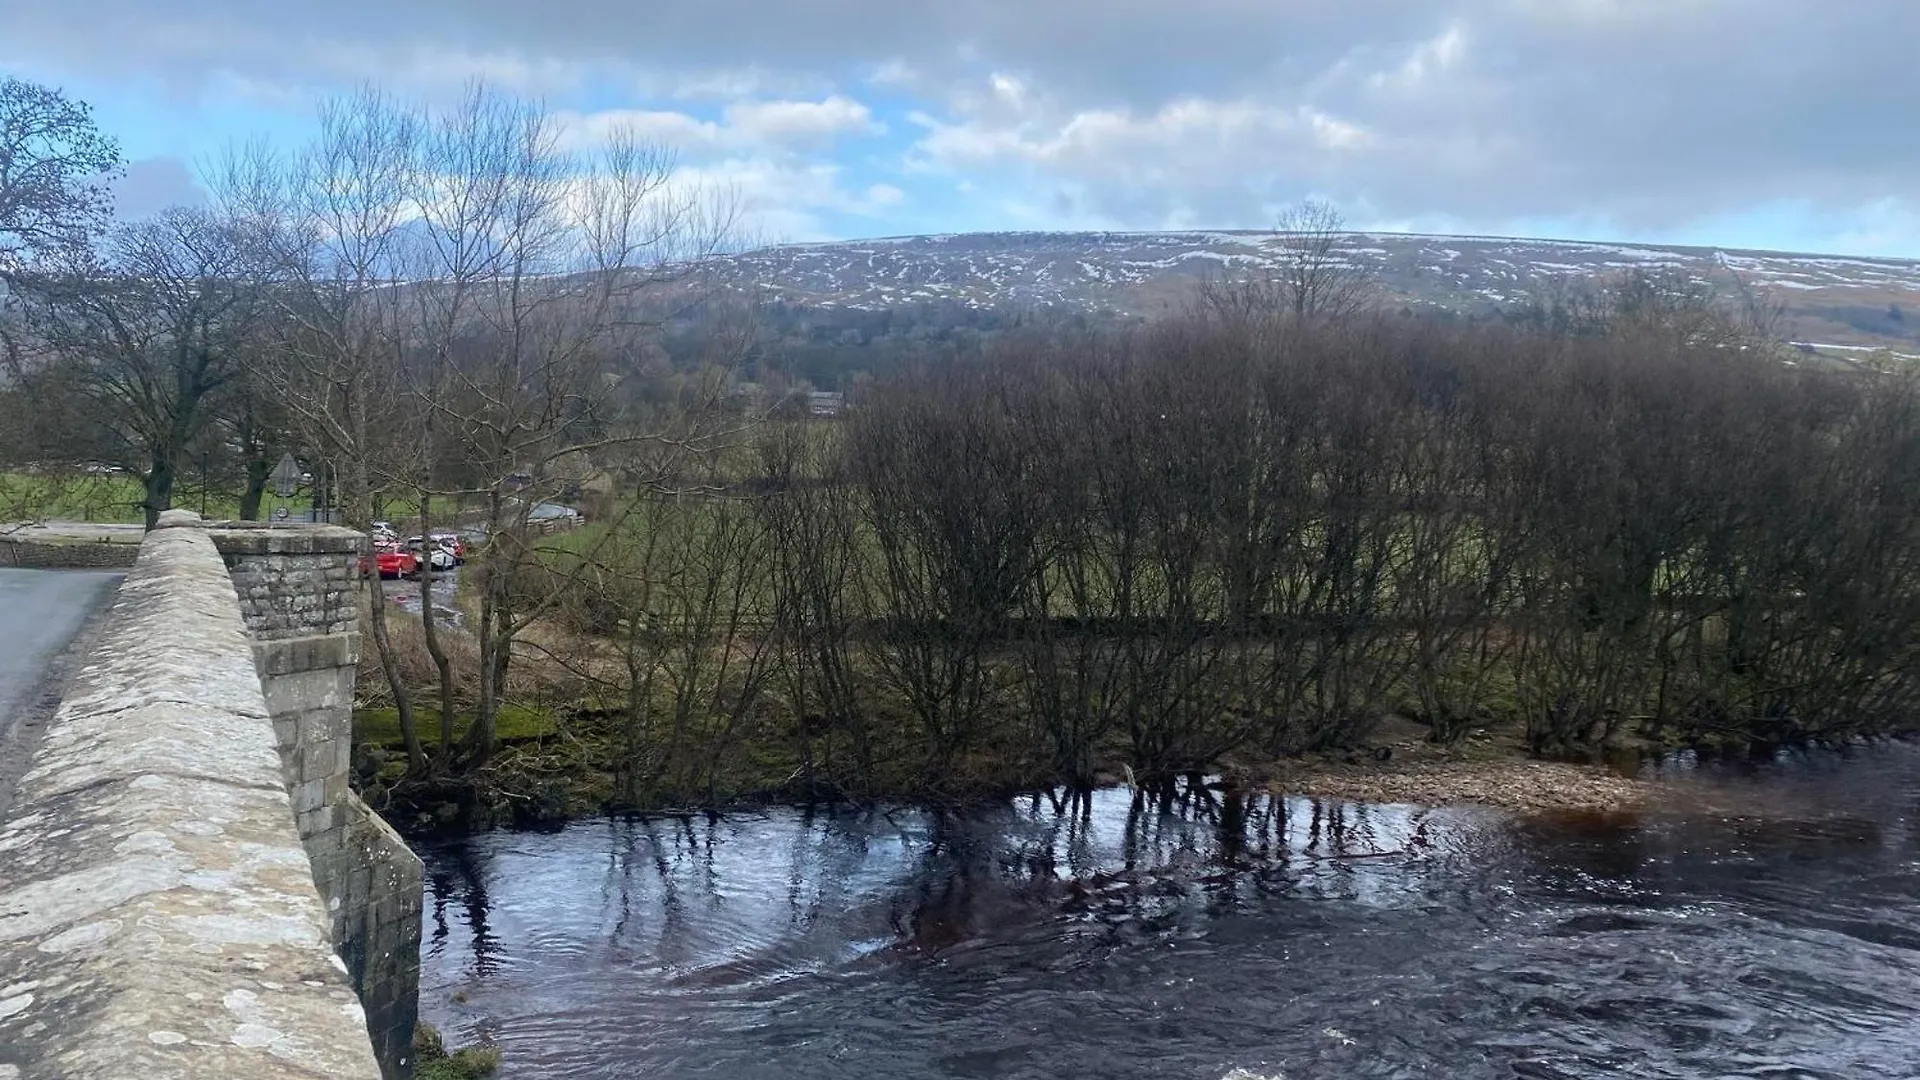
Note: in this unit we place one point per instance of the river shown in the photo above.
(1771, 929)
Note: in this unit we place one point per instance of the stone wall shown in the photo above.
(35, 553)
(159, 916)
(296, 587)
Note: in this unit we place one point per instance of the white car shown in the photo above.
(439, 554)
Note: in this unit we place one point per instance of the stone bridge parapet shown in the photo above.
(187, 886)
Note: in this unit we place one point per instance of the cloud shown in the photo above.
(762, 158)
(727, 84)
(1643, 115)
(791, 123)
(788, 202)
(767, 126)
(154, 184)
(661, 127)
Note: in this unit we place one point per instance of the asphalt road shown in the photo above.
(41, 611)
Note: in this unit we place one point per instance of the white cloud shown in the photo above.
(675, 131)
(893, 72)
(153, 184)
(786, 202)
(1171, 141)
(1429, 60)
(774, 127)
(733, 83)
(438, 71)
(883, 196)
(767, 159)
(801, 123)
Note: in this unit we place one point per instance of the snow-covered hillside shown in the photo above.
(1827, 299)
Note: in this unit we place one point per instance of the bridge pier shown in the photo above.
(298, 592)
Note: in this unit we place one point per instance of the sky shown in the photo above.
(1780, 124)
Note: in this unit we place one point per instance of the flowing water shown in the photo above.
(1771, 930)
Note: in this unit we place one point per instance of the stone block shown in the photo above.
(329, 722)
(336, 787)
(310, 687)
(319, 758)
(309, 796)
(314, 821)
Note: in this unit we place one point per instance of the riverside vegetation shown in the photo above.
(1230, 543)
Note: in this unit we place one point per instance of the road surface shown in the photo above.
(41, 611)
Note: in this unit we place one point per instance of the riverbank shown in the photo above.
(1488, 769)
(1523, 785)
(551, 770)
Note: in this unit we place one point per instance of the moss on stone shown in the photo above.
(432, 1062)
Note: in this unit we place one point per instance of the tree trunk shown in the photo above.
(430, 630)
(390, 665)
(359, 498)
(258, 473)
(496, 631)
(159, 487)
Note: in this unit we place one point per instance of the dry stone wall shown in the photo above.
(35, 553)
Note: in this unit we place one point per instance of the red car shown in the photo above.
(390, 561)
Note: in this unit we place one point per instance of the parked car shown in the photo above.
(455, 543)
(390, 561)
(444, 552)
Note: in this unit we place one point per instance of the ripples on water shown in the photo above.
(1277, 938)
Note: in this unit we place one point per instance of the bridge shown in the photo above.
(188, 888)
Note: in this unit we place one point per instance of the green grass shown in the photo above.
(116, 498)
(381, 727)
(110, 499)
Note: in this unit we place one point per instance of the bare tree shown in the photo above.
(817, 557)
(537, 269)
(463, 291)
(1309, 273)
(144, 340)
(54, 203)
(54, 165)
(1320, 277)
(336, 214)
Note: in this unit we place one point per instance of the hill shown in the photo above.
(1838, 303)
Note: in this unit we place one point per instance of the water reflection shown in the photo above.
(454, 879)
(1058, 937)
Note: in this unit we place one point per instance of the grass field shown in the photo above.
(116, 498)
(112, 498)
